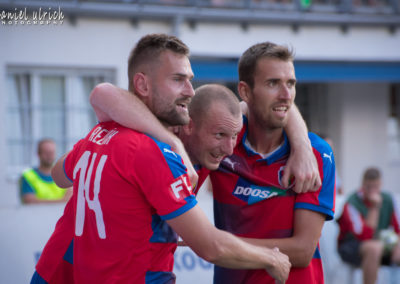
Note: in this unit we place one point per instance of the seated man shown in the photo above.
(369, 228)
(36, 184)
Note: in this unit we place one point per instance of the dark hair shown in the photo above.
(210, 94)
(149, 48)
(371, 174)
(248, 60)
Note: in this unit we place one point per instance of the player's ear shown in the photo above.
(244, 91)
(141, 83)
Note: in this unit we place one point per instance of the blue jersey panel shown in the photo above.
(162, 232)
(326, 196)
(173, 160)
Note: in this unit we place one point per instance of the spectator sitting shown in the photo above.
(36, 184)
(369, 228)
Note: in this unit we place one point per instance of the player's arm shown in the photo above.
(302, 245)
(58, 174)
(112, 103)
(302, 163)
(224, 249)
(31, 198)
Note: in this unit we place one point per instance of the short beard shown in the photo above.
(173, 118)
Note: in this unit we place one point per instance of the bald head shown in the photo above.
(210, 94)
(216, 120)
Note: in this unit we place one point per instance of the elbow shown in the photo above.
(98, 91)
(213, 254)
(304, 257)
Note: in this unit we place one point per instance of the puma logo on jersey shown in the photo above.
(230, 162)
(169, 151)
(328, 156)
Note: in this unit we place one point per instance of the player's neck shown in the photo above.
(264, 140)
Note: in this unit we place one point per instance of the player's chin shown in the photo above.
(212, 166)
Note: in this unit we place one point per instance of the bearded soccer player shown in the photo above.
(123, 213)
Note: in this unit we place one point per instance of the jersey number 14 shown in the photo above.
(83, 192)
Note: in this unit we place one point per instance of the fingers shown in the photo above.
(317, 183)
(285, 178)
(307, 182)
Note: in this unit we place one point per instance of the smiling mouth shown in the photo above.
(281, 109)
(182, 106)
(217, 157)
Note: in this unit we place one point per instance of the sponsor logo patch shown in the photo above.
(252, 193)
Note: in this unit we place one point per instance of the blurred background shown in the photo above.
(347, 66)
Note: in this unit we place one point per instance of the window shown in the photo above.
(43, 102)
(394, 123)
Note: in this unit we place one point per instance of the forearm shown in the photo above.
(296, 130)
(32, 199)
(372, 218)
(231, 252)
(301, 246)
(299, 252)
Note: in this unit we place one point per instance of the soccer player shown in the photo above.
(131, 189)
(250, 200)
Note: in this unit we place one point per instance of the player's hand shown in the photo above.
(280, 267)
(375, 199)
(302, 166)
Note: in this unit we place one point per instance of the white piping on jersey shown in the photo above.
(355, 219)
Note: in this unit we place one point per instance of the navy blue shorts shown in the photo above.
(349, 251)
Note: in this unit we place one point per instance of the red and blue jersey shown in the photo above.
(250, 201)
(202, 173)
(126, 184)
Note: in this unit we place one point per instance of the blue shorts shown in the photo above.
(349, 251)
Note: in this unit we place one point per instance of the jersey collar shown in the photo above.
(277, 155)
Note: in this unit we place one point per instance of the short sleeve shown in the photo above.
(163, 179)
(71, 159)
(25, 187)
(323, 200)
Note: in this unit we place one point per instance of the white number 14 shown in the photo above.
(83, 192)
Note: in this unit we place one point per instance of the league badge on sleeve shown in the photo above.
(180, 188)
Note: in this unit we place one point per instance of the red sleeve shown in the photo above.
(163, 179)
(353, 222)
(70, 160)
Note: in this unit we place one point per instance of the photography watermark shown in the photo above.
(41, 16)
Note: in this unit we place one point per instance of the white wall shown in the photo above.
(362, 132)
